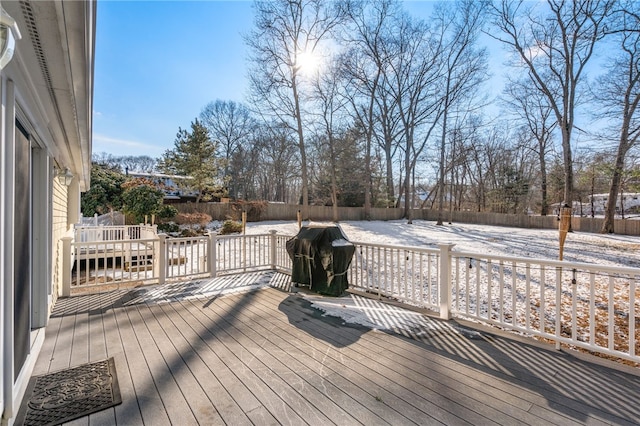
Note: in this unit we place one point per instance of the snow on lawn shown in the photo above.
(601, 249)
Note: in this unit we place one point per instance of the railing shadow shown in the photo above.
(578, 388)
(101, 302)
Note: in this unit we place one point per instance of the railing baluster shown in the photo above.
(514, 293)
(612, 314)
(558, 323)
(501, 292)
(592, 309)
(632, 316)
(574, 308)
(528, 298)
(542, 297)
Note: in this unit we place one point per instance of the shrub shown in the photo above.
(187, 233)
(193, 219)
(231, 227)
(169, 227)
(167, 212)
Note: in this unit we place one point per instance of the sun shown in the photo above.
(307, 63)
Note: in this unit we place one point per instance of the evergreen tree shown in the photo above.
(105, 192)
(194, 155)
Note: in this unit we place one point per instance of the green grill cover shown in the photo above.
(321, 256)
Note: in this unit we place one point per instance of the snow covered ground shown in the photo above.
(601, 249)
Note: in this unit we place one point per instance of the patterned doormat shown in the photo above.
(55, 398)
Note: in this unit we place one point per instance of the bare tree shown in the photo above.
(368, 30)
(555, 45)
(278, 168)
(465, 66)
(124, 163)
(285, 33)
(413, 76)
(330, 102)
(619, 93)
(532, 107)
(231, 125)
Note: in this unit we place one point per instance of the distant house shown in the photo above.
(173, 186)
(596, 205)
(630, 201)
(46, 90)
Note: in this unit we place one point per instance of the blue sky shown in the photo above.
(158, 63)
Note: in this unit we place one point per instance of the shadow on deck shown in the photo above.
(242, 349)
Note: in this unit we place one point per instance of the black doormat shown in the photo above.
(55, 398)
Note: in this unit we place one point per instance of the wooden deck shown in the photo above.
(268, 357)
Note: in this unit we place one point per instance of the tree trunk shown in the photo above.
(303, 153)
(391, 198)
(610, 209)
(568, 168)
(407, 179)
(544, 209)
(442, 161)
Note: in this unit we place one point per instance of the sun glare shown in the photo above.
(307, 63)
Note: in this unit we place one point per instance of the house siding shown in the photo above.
(46, 92)
(59, 229)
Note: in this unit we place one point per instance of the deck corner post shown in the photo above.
(67, 263)
(211, 254)
(272, 244)
(444, 289)
(161, 257)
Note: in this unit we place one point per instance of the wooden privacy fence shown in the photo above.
(278, 211)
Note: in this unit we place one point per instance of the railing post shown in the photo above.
(244, 253)
(273, 242)
(211, 254)
(67, 266)
(161, 256)
(445, 280)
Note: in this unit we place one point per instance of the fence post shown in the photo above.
(161, 257)
(445, 280)
(273, 248)
(67, 266)
(211, 255)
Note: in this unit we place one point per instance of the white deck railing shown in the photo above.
(582, 305)
(84, 233)
(100, 263)
(406, 274)
(590, 306)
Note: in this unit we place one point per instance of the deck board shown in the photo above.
(268, 357)
(148, 400)
(239, 362)
(397, 379)
(445, 392)
(305, 399)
